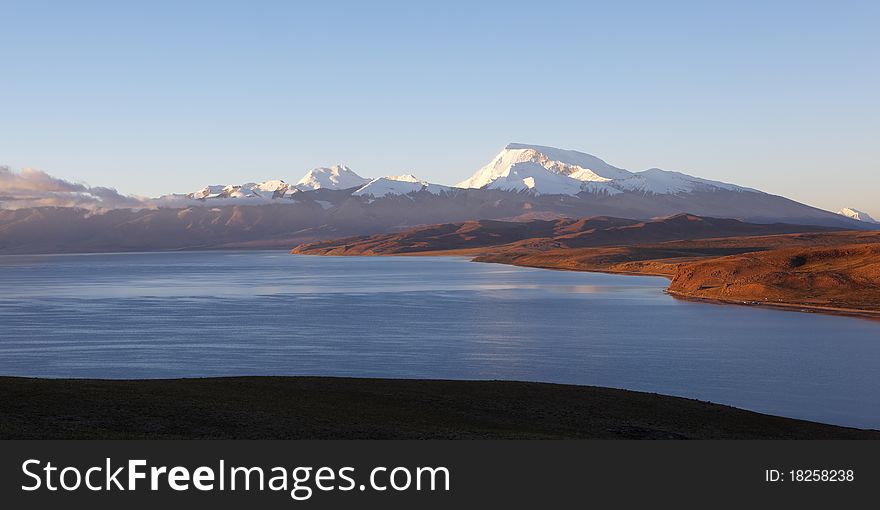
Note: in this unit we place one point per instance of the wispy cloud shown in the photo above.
(35, 188)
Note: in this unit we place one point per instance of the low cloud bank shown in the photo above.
(35, 188)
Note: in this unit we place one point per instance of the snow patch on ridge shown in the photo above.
(399, 185)
(665, 182)
(856, 214)
(335, 178)
(577, 166)
(263, 191)
(532, 177)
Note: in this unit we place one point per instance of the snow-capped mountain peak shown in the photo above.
(262, 190)
(271, 186)
(399, 185)
(213, 191)
(856, 214)
(335, 177)
(511, 186)
(546, 170)
(533, 177)
(575, 165)
(518, 168)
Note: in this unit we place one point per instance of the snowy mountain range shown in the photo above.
(520, 168)
(42, 214)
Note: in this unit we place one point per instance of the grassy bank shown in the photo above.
(341, 408)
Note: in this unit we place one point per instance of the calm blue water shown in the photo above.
(269, 313)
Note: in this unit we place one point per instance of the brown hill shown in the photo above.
(845, 276)
(827, 271)
(546, 234)
(706, 258)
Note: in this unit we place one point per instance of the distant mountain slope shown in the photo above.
(327, 214)
(545, 235)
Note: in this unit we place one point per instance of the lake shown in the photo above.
(194, 314)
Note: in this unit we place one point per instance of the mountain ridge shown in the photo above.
(521, 168)
(41, 214)
(543, 235)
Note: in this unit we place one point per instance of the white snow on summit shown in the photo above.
(213, 191)
(266, 190)
(519, 168)
(575, 165)
(399, 185)
(856, 214)
(665, 182)
(549, 171)
(530, 176)
(272, 186)
(335, 177)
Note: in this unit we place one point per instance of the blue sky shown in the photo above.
(154, 97)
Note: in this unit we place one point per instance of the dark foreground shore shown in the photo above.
(341, 408)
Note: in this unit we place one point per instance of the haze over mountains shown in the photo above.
(522, 182)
